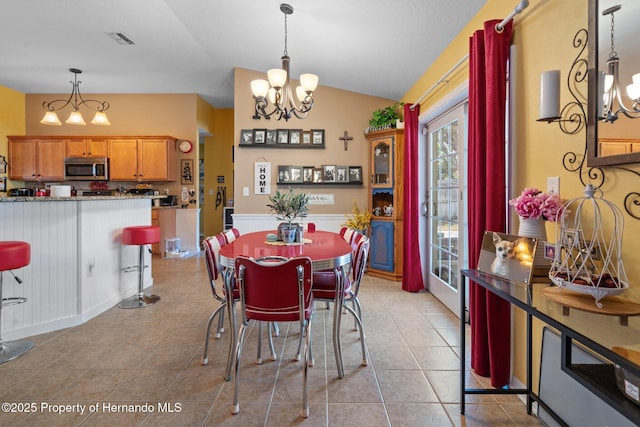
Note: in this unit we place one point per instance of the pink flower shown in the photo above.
(534, 204)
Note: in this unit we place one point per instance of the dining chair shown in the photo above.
(274, 289)
(212, 246)
(325, 286)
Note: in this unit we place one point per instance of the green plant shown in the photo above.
(287, 206)
(386, 116)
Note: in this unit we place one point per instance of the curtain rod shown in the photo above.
(518, 9)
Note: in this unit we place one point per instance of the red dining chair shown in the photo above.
(274, 289)
(212, 246)
(324, 289)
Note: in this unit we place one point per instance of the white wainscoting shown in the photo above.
(64, 237)
(248, 223)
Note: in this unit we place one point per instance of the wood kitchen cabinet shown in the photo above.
(83, 147)
(36, 159)
(142, 159)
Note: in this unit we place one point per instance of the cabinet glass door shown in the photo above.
(381, 162)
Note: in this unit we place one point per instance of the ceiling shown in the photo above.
(374, 47)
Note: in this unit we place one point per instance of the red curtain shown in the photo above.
(411, 264)
(490, 315)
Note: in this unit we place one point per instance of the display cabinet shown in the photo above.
(385, 202)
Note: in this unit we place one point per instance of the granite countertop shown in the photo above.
(77, 198)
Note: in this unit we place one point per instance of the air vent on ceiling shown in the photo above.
(121, 38)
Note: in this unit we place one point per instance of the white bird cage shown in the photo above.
(588, 258)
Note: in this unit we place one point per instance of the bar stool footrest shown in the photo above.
(12, 349)
(6, 302)
(138, 301)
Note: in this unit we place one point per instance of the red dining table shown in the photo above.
(327, 251)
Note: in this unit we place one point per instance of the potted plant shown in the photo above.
(385, 118)
(287, 206)
(360, 220)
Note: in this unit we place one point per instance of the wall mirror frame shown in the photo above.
(596, 21)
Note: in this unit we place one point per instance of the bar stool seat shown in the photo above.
(13, 255)
(140, 235)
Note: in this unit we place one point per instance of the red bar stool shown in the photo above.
(140, 235)
(13, 255)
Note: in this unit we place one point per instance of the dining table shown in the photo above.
(327, 251)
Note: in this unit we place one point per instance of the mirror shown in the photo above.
(617, 142)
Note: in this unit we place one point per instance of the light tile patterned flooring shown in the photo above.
(152, 356)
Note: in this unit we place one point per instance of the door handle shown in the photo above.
(425, 209)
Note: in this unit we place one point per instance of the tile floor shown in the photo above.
(151, 358)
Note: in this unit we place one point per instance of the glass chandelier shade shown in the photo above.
(75, 100)
(276, 92)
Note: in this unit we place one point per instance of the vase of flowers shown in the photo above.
(359, 220)
(287, 206)
(534, 208)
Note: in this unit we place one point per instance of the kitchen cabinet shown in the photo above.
(386, 201)
(36, 159)
(142, 159)
(83, 147)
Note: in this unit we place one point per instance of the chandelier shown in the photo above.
(611, 83)
(277, 89)
(75, 100)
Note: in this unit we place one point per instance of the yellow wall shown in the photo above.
(335, 111)
(11, 117)
(543, 35)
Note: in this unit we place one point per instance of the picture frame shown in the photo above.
(271, 136)
(3, 165)
(284, 175)
(3, 184)
(518, 266)
(306, 137)
(550, 251)
(355, 174)
(295, 136)
(317, 136)
(186, 171)
(259, 136)
(307, 174)
(329, 173)
(246, 136)
(295, 174)
(283, 136)
(318, 174)
(342, 174)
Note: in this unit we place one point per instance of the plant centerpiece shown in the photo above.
(359, 220)
(287, 206)
(385, 118)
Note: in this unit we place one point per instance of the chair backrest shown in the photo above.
(212, 246)
(274, 288)
(359, 255)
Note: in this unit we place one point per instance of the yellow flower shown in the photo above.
(360, 220)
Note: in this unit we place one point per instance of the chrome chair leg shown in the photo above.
(272, 349)
(362, 340)
(307, 350)
(238, 351)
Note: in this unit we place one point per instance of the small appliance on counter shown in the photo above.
(169, 201)
(21, 192)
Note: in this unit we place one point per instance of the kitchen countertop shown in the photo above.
(77, 198)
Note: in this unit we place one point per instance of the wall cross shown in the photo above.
(346, 138)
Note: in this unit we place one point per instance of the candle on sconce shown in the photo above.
(550, 95)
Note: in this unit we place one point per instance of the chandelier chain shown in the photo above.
(285, 35)
(613, 52)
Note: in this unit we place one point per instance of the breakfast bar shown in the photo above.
(76, 258)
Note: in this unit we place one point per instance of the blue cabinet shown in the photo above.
(381, 252)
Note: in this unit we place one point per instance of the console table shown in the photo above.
(579, 326)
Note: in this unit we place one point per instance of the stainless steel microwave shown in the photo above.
(86, 169)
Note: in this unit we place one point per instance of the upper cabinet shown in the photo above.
(142, 159)
(83, 147)
(36, 159)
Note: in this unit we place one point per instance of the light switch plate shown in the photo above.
(553, 184)
(245, 191)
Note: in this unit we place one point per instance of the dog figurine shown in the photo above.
(504, 253)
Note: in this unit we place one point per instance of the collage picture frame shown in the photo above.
(282, 138)
(325, 174)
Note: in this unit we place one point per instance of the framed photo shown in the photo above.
(342, 174)
(246, 136)
(272, 136)
(3, 165)
(3, 183)
(317, 136)
(283, 136)
(307, 174)
(329, 173)
(259, 136)
(318, 174)
(295, 136)
(295, 174)
(355, 173)
(306, 137)
(507, 256)
(549, 251)
(284, 176)
(186, 171)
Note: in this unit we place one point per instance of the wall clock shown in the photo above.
(185, 146)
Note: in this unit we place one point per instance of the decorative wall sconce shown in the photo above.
(75, 100)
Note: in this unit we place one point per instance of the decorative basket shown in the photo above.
(588, 257)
